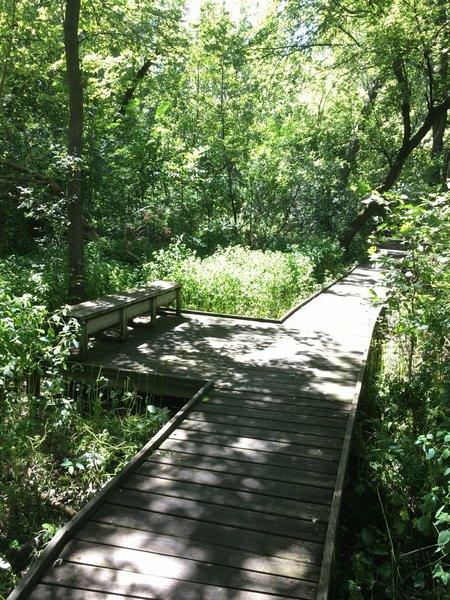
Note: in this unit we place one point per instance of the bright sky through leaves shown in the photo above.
(256, 9)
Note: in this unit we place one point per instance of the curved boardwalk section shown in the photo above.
(239, 499)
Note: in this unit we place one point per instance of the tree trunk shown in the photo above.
(352, 150)
(9, 47)
(407, 147)
(74, 149)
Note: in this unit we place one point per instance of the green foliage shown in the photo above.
(105, 274)
(58, 444)
(33, 343)
(236, 280)
(435, 507)
(420, 284)
(401, 493)
(44, 275)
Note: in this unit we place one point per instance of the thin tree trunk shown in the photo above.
(7, 57)
(352, 150)
(129, 94)
(74, 149)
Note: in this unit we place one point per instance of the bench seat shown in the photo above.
(117, 309)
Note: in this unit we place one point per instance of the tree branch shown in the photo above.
(36, 177)
(128, 96)
(408, 146)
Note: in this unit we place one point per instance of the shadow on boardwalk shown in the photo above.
(236, 502)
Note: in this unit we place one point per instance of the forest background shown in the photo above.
(138, 143)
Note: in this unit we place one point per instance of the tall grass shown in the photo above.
(236, 280)
(232, 280)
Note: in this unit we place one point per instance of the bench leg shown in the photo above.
(152, 311)
(83, 343)
(123, 324)
(178, 302)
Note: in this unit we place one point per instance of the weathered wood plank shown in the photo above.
(56, 592)
(241, 518)
(283, 402)
(172, 545)
(297, 424)
(138, 585)
(265, 447)
(311, 504)
(184, 569)
(280, 360)
(247, 454)
(225, 536)
(112, 302)
(235, 465)
(336, 391)
(290, 414)
(259, 433)
(246, 481)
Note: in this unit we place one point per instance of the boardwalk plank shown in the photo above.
(261, 421)
(339, 392)
(196, 550)
(246, 481)
(259, 433)
(56, 592)
(143, 586)
(184, 569)
(224, 536)
(309, 505)
(283, 400)
(249, 443)
(326, 470)
(244, 518)
(290, 414)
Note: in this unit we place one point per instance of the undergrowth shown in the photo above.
(236, 280)
(395, 534)
(58, 445)
(232, 280)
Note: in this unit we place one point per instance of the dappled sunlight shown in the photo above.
(236, 501)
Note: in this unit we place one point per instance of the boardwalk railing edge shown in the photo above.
(333, 523)
(65, 533)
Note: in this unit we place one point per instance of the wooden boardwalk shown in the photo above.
(241, 498)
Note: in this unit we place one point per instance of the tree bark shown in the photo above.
(75, 150)
(352, 150)
(409, 144)
(128, 96)
(7, 55)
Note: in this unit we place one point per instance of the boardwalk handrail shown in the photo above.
(62, 537)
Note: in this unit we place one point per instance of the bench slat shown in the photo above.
(112, 302)
(117, 309)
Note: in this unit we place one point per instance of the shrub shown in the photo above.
(402, 489)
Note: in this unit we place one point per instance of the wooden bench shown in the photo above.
(117, 309)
